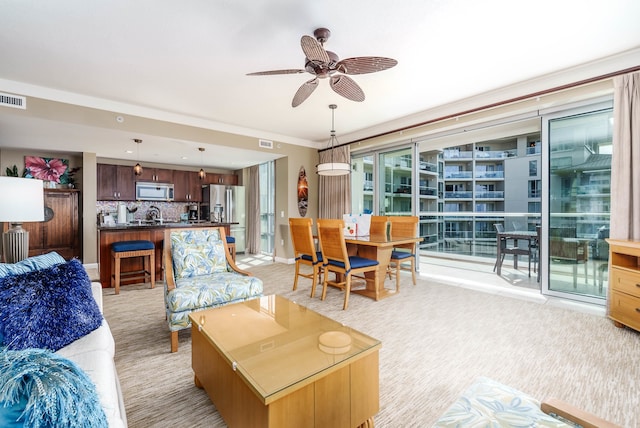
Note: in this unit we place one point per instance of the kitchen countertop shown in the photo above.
(158, 225)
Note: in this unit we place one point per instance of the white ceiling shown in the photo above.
(186, 62)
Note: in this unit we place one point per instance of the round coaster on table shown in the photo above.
(334, 342)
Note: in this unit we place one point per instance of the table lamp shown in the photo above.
(22, 201)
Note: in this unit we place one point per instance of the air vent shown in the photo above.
(14, 101)
(265, 144)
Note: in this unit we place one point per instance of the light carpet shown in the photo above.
(436, 340)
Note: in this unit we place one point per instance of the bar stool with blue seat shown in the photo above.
(231, 244)
(126, 249)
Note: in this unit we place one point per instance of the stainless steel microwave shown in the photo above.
(154, 191)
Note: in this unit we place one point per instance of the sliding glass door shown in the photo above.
(578, 204)
(396, 182)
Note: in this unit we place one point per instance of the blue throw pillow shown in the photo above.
(30, 264)
(43, 389)
(47, 308)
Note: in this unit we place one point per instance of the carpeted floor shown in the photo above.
(436, 340)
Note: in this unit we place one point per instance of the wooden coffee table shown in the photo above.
(270, 362)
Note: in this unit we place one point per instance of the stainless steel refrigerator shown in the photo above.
(226, 204)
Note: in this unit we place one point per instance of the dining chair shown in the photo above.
(403, 227)
(337, 260)
(305, 251)
(504, 249)
(379, 225)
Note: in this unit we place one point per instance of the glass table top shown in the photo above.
(276, 344)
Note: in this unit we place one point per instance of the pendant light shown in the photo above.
(201, 173)
(332, 167)
(137, 169)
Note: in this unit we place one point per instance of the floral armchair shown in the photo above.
(200, 274)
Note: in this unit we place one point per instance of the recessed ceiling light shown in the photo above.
(128, 151)
(184, 158)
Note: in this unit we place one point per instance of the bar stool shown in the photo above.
(231, 244)
(126, 249)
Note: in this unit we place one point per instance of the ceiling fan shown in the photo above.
(324, 64)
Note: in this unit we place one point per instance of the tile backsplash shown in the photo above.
(170, 210)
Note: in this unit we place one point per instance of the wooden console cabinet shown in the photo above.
(624, 283)
(60, 231)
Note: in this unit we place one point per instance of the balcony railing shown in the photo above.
(458, 174)
(594, 189)
(426, 166)
(458, 195)
(496, 194)
(495, 154)
(428, 191)
(489, 174)
(457, 154)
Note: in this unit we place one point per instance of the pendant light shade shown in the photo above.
(333, 168)
(201, 173)
(137, 169)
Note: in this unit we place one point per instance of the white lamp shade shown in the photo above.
(333, 168)
(22, 200)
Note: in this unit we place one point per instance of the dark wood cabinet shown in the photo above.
(228, 179)
(155, 174)
(60, 231)
(115, 183)
(118, 182)
(187, 186)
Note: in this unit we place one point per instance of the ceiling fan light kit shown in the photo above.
(324, 64)
(333, 168)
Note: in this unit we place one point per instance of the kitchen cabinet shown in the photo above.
(60, 231)
(228, 179)
(187, 186)
(624, 283)
(115, 183)
(155, 174)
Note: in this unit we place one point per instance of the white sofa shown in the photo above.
(94, 354)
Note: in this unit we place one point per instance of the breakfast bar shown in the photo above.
(107, 235)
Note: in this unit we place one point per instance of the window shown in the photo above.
(533, 168)
(534, 188)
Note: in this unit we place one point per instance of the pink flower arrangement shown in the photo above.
(48, 169)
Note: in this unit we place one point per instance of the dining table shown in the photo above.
(377, 247)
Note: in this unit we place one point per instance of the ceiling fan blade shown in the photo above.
(271, 72)
(365, 64)
(304, 91)
(347, 87)
(313, 50)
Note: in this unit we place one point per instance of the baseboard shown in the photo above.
(284, 260)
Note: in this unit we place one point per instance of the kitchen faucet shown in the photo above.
(154, 213)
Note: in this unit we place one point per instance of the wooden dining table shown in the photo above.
(377, 247)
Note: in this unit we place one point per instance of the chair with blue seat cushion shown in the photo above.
(337, 260)
(304, 251)
(403, 227)
(200, 274)
(127, 249)
(231, 244)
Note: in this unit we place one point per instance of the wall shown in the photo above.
(286, 204)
